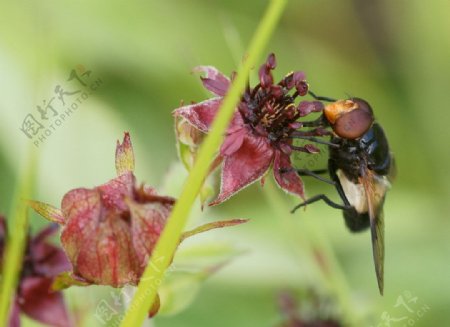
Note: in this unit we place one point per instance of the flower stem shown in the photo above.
(16, 239)
(314, 247)
(167, 244)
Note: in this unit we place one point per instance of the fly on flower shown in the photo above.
(361, 168)
(262, 129)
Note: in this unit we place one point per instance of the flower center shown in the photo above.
(270, 108)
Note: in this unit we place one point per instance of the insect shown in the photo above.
(361, 168)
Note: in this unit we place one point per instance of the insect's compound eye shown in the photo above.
(350, 119)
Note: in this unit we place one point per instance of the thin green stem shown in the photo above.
(311, 244)
(167, 244)
(16, 239)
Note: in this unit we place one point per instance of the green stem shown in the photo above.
(167, 244)
(310, 243)
(16, 240)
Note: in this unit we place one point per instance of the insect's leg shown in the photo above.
(315, 174)
(315, 123)
(307, 172)
(337, 183)
(318, 198)
(314, 139)
(335, 180)
(321, 98)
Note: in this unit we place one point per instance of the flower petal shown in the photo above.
(201, 114)
(188, 134)
(214, 80)
(147, 222)
(245, 166)
(49, 260)
(14, 314)
(45, 233)
(233, 142)
(114, 192)
(286, 176)
(81, 203)
(124, 156)
(306, 107)
(97, 236)
(41, 304)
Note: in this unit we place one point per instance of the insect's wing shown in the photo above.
(377, 230)
(375, 205)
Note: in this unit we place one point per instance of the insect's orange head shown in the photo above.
(350, 118)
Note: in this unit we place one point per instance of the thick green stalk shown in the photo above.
(168, 242)
(16, 239)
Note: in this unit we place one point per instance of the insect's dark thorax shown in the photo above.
(352, 158)
(370, 151)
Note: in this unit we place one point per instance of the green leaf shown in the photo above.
(180, 288)
(66, 280)
(213, 225)
(178, 291)
(124, 156)
(47, 211)
(205, 255)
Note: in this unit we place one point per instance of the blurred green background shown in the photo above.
(395, 54)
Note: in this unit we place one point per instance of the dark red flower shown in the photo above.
(109, 231)
(34, 296)
(294, 316)
(262, 129)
